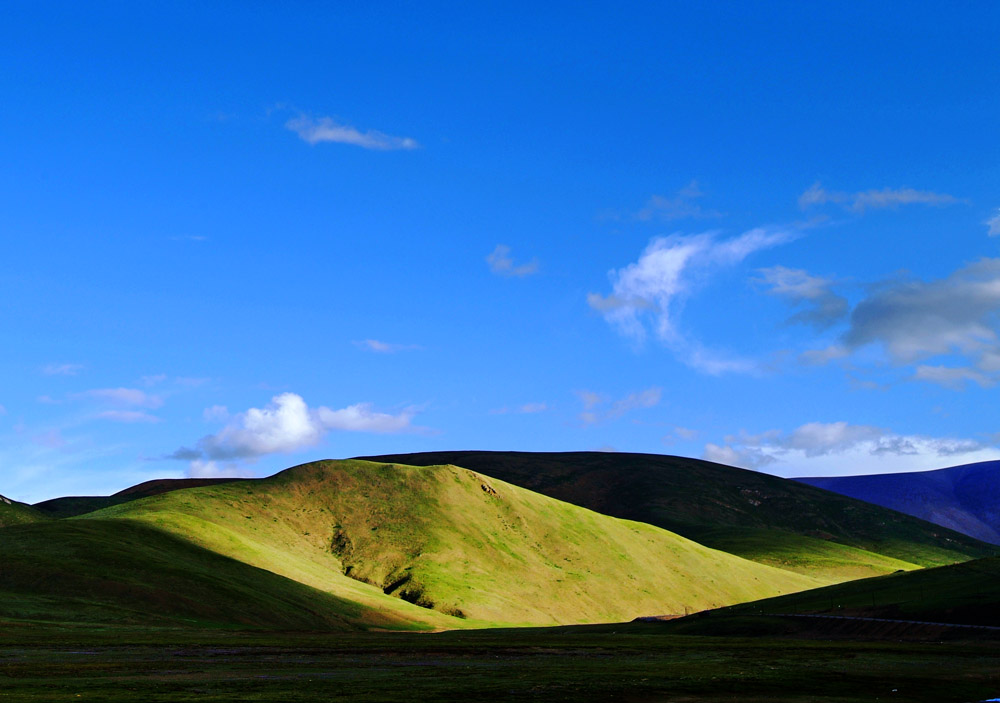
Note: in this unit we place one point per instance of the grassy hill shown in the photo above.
(963, 498)
(453, 545)
(71, 506)
(771, 520)
(14, 513)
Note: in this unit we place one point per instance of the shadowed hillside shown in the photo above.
(761, 517)
(128, 573)
(963, 498)
(966, 593)
(14, 513)
(455, 545)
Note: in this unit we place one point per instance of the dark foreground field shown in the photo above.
(622, 663)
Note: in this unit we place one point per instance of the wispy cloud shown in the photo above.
(650, 291)
(315, 130)
(596, 407)
(127, 416)
(379, 347)
(501, 263)
(954, 377)
(124, 397)
(861, 201)
(822, 306)
(681, 205)
(525, 409)
(62, 369)
(286, 425)
(993, 225)
(215, 413)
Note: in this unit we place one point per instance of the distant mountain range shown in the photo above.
(963, 498)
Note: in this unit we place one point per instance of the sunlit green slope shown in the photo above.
(464, 547)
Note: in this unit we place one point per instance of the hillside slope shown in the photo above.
(457, 543)
(962, 498)
(14, 513)
(772, 520)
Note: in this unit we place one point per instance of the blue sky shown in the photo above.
(244, 236)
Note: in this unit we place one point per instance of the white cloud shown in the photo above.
(62, 369)
(324, 129)
(501, 263)
(212, 469)
(873, 199)
(651, 290)
(823, 306)
(840, 448)
(128, 416)
(594, 409)
(993, 225)
(287, 425)
(380, 347)
(124, 397)
(686, 433)
(362, 418)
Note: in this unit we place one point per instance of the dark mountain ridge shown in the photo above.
(963, 498)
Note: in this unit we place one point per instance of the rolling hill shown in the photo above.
(774, 521)
(14, 513)
(448, 547)
(962, 498)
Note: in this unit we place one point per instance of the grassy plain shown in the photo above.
(622, 663)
